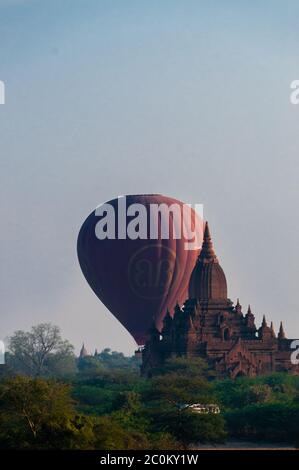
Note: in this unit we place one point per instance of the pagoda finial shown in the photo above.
(207, 251)
(238, 307)
(264, 323)
(207, 235)
(281, 333)
(250, 318)
(83, 352)
(272, 329)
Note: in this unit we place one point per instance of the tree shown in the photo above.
(189, 427)
(276, 422)
(38, 351)
(37, 413)
(176, 389)
(111, 435)
(194, 366)
(181, 380)
(168, 394)
(259, 393)
(130, 413)
(90, 366)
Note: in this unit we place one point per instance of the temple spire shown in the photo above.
(208, 279)
(207, 251)
(281, 333)
(83, 352)
(272, 329)
(264, 323)
(238, 307)
(250, 318)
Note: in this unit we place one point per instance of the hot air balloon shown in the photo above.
(139, 279)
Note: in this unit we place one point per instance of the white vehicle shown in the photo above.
(200, 408)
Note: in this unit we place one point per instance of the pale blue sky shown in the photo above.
(189, 99)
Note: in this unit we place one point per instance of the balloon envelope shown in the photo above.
(138, 280)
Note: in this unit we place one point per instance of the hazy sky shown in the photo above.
(185, 98)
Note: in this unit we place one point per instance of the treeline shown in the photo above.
(50, 399)
(264, 408)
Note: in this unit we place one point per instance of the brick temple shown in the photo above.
(208, 325)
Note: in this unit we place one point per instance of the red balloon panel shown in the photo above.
(137, 280)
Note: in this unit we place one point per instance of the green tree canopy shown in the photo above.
(40, 351)
(36, 413)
